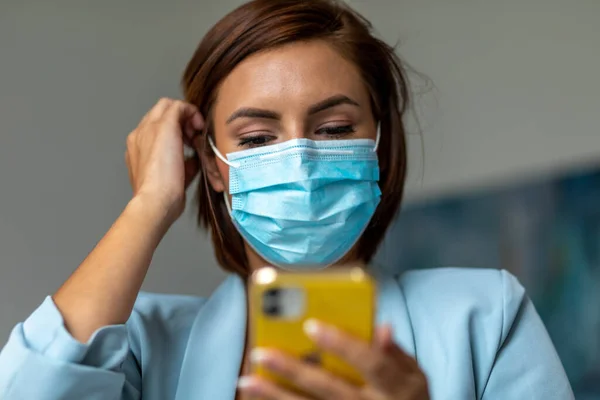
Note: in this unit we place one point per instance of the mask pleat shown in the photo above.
(304, 202)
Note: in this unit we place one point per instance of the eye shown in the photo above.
(255, 141)
(336, 131)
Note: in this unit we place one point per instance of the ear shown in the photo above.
(209, 164)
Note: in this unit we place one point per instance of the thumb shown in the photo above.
(384, 340)
(384, 337)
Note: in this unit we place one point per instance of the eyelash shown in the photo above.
(337, 131)
(331, 131)
(255, 141)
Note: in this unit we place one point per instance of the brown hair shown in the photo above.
(264, 24)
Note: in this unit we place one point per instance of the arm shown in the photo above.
(43, 361)
(75, 345)
(103, 289)
(527, 365)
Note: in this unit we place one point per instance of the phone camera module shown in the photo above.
(271, 300)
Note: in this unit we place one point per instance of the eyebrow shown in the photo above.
(333, 101)
(247, 112)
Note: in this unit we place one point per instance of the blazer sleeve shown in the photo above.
(42, 361)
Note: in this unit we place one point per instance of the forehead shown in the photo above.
(298, 74)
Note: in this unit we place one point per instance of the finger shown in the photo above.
(265, 390)
(385, 341)
(157, 111)
(187, 115)
(198, 122)
(308, 378)
(192, 127)
(415, 383)
(383, 336)
(376, 366)
(191, 168)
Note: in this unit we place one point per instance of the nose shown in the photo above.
(294, 128)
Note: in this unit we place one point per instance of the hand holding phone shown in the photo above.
(281, 303)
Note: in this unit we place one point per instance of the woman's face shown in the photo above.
(302, 90)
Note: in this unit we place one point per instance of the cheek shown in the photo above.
(224, 171)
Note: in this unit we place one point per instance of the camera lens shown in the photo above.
(271, 310)
(271, 302)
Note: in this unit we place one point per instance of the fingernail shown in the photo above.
(312, 328)
(267, 359)
(245, 382)
(249, 386)
(259, 356)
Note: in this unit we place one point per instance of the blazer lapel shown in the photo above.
(214, 352)
(392, 310)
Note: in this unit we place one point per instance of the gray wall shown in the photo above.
(516, 93)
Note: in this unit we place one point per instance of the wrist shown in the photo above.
(152, 215)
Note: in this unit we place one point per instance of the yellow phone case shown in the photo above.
(342, 297)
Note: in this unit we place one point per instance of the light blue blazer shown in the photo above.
(474, 333)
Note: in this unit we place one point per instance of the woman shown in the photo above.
(295, 111)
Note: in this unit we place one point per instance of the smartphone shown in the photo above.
(280, 302)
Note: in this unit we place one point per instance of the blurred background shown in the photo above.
(504, 146)
(545, 231)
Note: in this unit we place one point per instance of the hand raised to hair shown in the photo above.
(158, 171)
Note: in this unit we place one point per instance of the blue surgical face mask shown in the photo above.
(303, 203)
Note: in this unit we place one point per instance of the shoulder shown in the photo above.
(461, 318)
(462, 286)
(486, 300)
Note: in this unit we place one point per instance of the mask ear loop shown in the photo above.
(377, 138)
(219, 155)
(226, 198)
